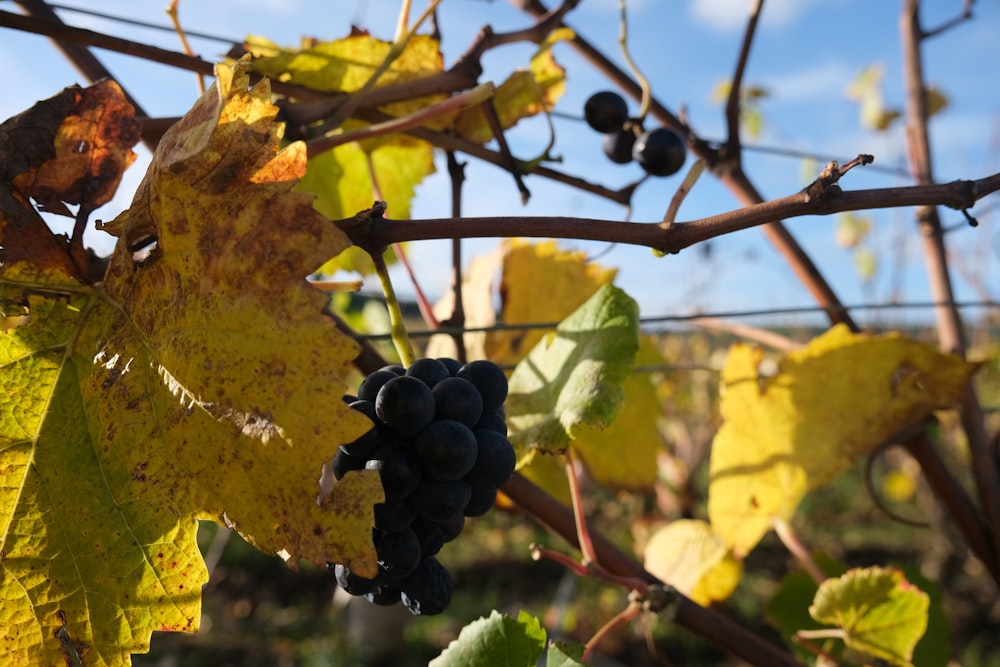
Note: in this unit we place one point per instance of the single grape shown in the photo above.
(457, 398)
(344, 462)
(661, 152)
(384, 595)
(439, 501)
(495, 460)
(372, 438)
(618, 145)
(353, 583)
(447, 449)
(370, 386)
(489, 380)
(605, 111)
(398, 554)
(431, 371)
(452, 526)
(493, 421)
(482, 501)
(399, 471)
(394, 515)
(394, 368)
(451, 364)
(430, 534)
(405, 405)
(428, 590)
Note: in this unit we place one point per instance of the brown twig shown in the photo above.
(733, 148)
(708, 624)
(728, 172)
(456, 173)
(949, 323)
(664, 237)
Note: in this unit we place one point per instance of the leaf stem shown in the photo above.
(582, 532)
(404, 348)
(791, 541)
(624, 616)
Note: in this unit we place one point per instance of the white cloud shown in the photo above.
(730, 15)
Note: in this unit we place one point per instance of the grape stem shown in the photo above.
(636, 72)
(401, 341)
(791, 541)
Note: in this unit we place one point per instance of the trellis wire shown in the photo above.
(729, 314)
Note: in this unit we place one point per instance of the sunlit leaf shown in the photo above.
(623, 455)
(571, 380)
(525, 93)
(202, 380)
(688, 555)
(497, 641)
(786, 434)
(880, 613)
(569, 280)
(852, 229)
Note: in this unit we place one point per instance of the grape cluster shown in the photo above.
(660, 152)
(439, 444)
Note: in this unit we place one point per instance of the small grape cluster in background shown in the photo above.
(439, 444)
(660, 152)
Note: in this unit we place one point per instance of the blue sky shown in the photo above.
(806, 53)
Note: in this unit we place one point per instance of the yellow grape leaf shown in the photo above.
(867, 81)
(345, 65)
(830, 403)
(623, 455)
(478, 281)
(689, 556)
(936, 101)
(200, 379)
(568, 279)
(341, 181)
(852, 229)
(524, 93)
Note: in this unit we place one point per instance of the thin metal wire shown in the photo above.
(730, 314)
(143, 24)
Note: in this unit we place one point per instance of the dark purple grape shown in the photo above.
(447, 449)
(451, 364)
(493, 421)
(457, 398)
(618, 146)
(363, 446)
(605, 111)
(344, 463)
(398, 554)
(399, 471)
(394, 368)
(353, 583)
(394, 515)
(661, 152)
(489, 379)
(482, 501)
(384, 595)
(452, 526)
(431, 371)
(428, 590)
(430, 534)
(495, 460)
(405, 405)
(370, 386)
(439, 501)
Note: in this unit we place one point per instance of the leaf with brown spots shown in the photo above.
(201, 380)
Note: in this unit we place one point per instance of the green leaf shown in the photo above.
(561, 654)
(881, 613)
(573, 377)
(497, 641)
(786, 610)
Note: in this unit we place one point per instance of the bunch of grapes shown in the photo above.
(660, 152)
(439, 444)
